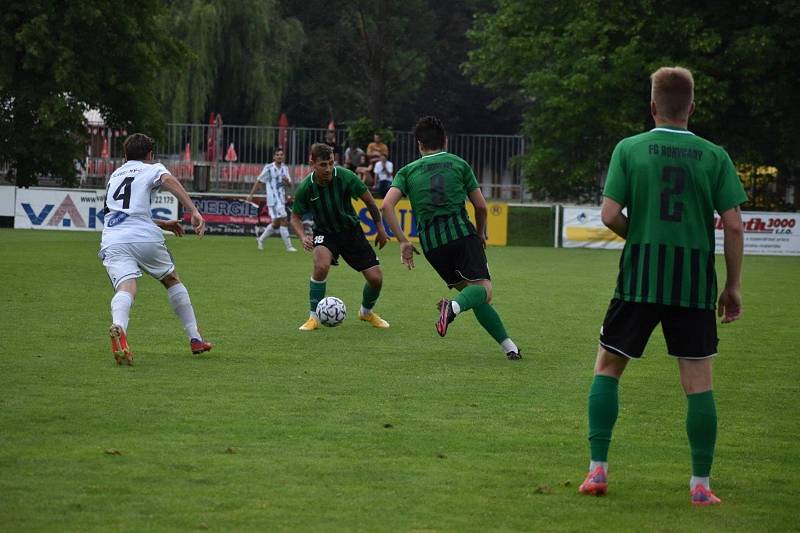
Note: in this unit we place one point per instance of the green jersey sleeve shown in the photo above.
(400, 181)
(617, 181)
(468, 178)
(352, 183)
(729, 191)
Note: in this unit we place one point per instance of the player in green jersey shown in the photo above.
(671, 183)
(326, 194)
(438, 185)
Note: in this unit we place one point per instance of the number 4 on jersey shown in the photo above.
(123, 192)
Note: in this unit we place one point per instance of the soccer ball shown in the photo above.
(331, 311)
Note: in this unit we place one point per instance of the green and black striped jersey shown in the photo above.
(437, 185)
(671, 182)
(331, 206)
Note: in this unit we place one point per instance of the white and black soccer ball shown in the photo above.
(331, 311)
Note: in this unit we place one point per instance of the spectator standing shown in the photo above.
(353, 156)
(377, 148)
(330, 140)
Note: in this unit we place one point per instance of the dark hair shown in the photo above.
(137, 146)
(277, 149)
(321, 152)
(430, 133)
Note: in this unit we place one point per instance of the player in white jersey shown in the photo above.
(133, 241)
(275, 176)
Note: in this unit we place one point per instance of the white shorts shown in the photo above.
(277, 211)
(126, 261)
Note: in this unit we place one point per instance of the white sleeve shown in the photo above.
(159, 170)
(264, 171)
(389, 167)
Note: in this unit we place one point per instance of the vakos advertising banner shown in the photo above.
(764, 233)
(75, 209)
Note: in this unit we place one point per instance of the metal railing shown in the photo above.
(492, 157)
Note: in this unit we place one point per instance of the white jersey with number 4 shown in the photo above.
(272, 176)
(129, 194)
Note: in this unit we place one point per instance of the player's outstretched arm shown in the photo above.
(612, 217)
(253, 191)
(481, 212)
(174, 186)
(730, 300)
(407, 249)
(381, 238)
(170, 225)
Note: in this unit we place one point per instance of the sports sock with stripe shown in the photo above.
(121, 305)
(603, 411)
(368, 297)
(491, 322)
(701, 427)
(316, 292)
(472, 296)
(284, 231)
(182, 305)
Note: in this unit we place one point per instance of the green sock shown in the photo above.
(701, 426)
(490, 320)
(369, 296)
(316, 292)
(603, 410)
(472, 296)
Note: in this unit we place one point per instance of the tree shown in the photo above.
(583, 66)
(362, 58)
(58, 59)
(242, 55)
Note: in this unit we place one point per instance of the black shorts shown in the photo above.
(461, 260)
(690, 333)
(351, 245)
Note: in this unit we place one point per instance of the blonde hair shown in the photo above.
(672, 89)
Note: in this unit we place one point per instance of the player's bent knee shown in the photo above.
(170, 279)
(609, 364)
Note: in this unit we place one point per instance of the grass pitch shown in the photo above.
(355, 428)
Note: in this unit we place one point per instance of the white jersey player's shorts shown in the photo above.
(126, 261)
(277, 210)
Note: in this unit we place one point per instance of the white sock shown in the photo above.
(270, 230)
(595, 464)
(121, 305)
(705, 481)
(364, 311)
(314, 315)
(284, 231)
(509, 346)
(455, 307)
(182, 305)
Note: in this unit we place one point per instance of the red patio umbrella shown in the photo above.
(283, 126)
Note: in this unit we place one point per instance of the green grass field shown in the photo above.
(355, 428)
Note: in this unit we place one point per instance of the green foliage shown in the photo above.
(359, 429)
(243, 52)
(583, 67)
(363, 129)
(361, 57)
(59, 59)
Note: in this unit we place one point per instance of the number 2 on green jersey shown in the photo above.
(675, 177)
